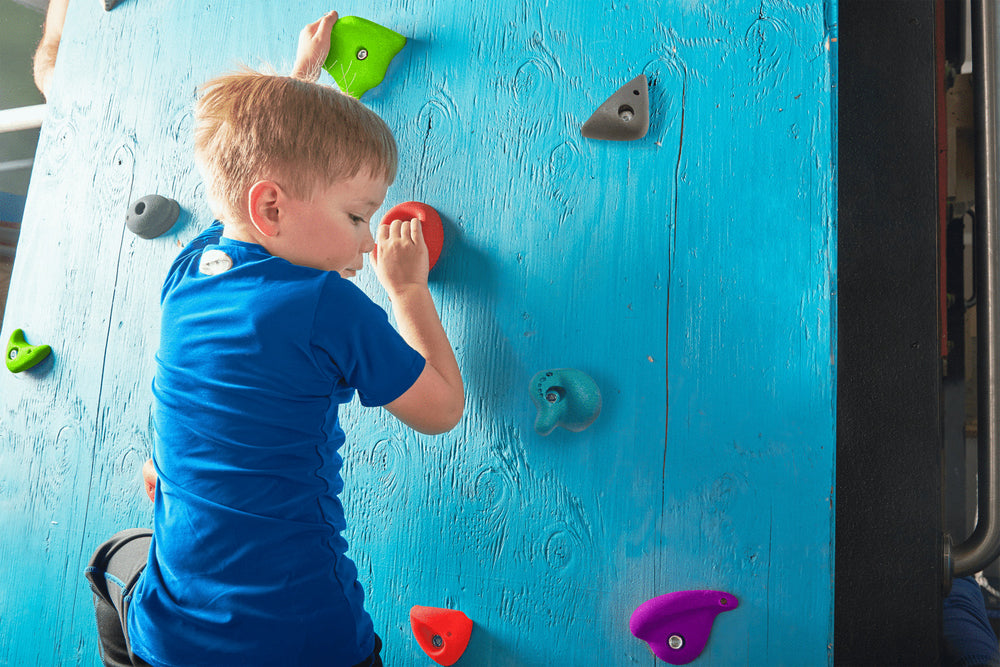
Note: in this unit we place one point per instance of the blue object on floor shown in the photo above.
(968, 637)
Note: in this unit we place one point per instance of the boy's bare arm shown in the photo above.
(149, 479)
(48, 47)
(435, 402)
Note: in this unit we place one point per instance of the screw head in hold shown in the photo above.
(624, 116)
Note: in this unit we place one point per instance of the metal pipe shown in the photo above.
(22, 118)
(983, 546)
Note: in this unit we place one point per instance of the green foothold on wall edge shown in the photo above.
(360, 53)
(21, 356)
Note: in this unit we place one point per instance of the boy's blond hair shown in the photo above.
(251, 126)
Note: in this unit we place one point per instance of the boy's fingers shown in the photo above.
(313, 28)
(320, 26)
(323, 20)
(383, 232)
(406, 230)
(416, 231)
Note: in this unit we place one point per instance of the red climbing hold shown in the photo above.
(443, 634)
(430, 222)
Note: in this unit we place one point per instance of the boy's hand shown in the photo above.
(400, 257)
(314, 46)
(149, 479)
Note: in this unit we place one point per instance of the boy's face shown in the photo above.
(332, 231)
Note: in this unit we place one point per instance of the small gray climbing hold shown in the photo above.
(109, 5)
(151, 216)
(624, 116)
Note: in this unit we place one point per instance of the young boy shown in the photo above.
(262, 338)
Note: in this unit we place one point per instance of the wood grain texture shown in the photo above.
(690, 273)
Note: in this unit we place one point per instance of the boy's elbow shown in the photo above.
(431, 406)
(456, 412)
(445, 418)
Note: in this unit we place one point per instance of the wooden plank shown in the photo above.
(698, 260)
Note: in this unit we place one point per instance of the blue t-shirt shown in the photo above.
(247, 564)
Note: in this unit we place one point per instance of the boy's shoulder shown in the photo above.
(209, 236)
(211, 254)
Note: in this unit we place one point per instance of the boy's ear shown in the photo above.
(263, 200)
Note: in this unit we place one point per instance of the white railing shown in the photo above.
(21, 118)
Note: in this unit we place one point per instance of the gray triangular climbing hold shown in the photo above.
(109, 5)
(624, 116)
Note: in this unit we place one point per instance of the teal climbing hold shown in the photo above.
(564, 397)
(21, 356)
(360, 53)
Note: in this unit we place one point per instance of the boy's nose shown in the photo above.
(369, 243)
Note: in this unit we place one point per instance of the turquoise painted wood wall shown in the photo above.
(691, 273)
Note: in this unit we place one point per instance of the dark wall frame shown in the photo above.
(889, 515)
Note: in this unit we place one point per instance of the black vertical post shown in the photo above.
(889, 568)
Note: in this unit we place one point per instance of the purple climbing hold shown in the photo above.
(677, 625)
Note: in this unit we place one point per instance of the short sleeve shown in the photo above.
(369, 353)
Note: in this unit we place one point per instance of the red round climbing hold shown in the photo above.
(430, 222)
(443, 634)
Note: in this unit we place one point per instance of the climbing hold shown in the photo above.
(624, 116)
(443, 634)
(21, 356)
(564, 397)
(109, 5)
(677, 625)
(151, 216)
(360, 53)
(430, 223)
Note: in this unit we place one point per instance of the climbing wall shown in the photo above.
(690, 273)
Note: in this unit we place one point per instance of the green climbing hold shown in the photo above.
(21, 356)
(360, 53)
